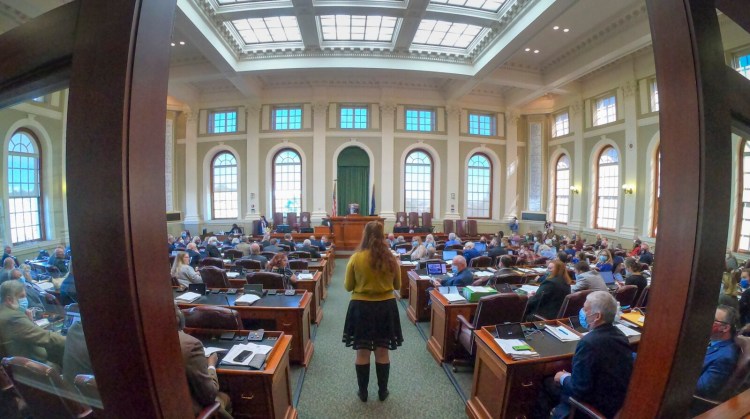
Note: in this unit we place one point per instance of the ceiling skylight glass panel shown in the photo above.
(446, 34)
(357, 28)
(268, 29)
(489, 5)
(223, 2)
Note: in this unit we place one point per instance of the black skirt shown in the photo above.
(372, 324)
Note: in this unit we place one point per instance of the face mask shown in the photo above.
(454, 269)
(414, 244)
(582, 319)
(23, 304)
(744, 283)
(602, 259)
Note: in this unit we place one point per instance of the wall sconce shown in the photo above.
(627, 189)
(574, 190)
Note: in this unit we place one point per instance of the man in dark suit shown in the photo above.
(646, 256)
(273, 247)
(470, 252)
(496, 251)
(308, 247)
(288, 241)
(503, 270)
(212, 248)
(266, 240)
(602, 363)
(721, 355)
(462, 275)
(195, 256)
(7, 253)
(255, 255)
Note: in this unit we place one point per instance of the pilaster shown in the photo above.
(511, 166)
(192, 217)
(453, 165)
(319, 165)
(629, 169)
(575, 120)
(253, 163)
(388, 126)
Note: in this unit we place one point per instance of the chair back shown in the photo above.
(291, 219)
(401, 218)
(413, 219)
(209, 261)
(626, 294)
(268, 255)
(480, 262)
(299, 255)
(540, 261)
(212, 317)
(471, 227)
(86, 386)
(572, 304)
(214, 277)
(439, 247)
(643, 298)
(44, 390)
(500, 308)
(448, 227)
(455, 247)
(248, 264)
(284, 247)
(426, 219)
(297, 264)
(10, 399)
(233, 254)
(461, 228)
(269, 280)
(53, 272)
(175, 282)
(305, 219)
(278, 219)
(507, 279)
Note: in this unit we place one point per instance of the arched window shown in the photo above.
(224, 190)
(24, 188)
(418, 182)
(657, 193)
(479, 187)
(562, 189)
(287, 182)
(607, 188)
(743, 233)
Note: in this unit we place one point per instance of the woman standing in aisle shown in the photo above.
(372, 321)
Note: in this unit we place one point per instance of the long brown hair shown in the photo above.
(561, 271)
(275, 262)
(373, 239)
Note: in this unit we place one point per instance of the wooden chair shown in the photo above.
(291, 219)
(735, 384)
(480, 262)
(471, 228)
(212, 317)
(11, 402)
(249, 264)
(278, 219)
(208, 261)
(406, 246)
(233, 254)
(413, 219)
(295, 264)
(439, 247)
(269, 280)
(44, 390)
(461, 228)
(299, 255)
(643, 298)
(401, 218)
(493, 309)
(625, 295)
(268, 255)
(426, 219)
(284, 247)
(304, 220)
(571, 305)
(578, 408)
(448, 227)
(506, 279)
(214, 277)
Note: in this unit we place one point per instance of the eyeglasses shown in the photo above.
(720, 321)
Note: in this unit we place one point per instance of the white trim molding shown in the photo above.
(207, 159)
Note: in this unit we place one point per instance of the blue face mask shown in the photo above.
(454, 269)
(744, 283)
(23, 304)
(414, 244)
(582, 319)
(602, 258)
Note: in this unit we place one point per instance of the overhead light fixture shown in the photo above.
(182, 42)
(536, 51)
(555, 27)
(527, 49)
(566, 30)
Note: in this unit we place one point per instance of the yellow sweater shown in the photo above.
(366, 284)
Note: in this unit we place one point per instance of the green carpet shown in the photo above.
(419, 388)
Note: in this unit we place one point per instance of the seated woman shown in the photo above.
(429, 241)
(604, 262)
(280, 265)
(548, 299)
(235, 229)
(182, 270)
(634, 276)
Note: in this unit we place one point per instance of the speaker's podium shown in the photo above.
(348, 229)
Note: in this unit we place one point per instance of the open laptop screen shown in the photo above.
(436, 268)
(401, 250)
(449, 254)
(608, 277)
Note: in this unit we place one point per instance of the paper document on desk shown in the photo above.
(455, 298)
(246, 300)
(233, 274)
(627, 331)
(187, 297)
(255, 360)
(482, 274)
(539, 270)
(507, 346)
(562, 333)
(210, 350)
(424, 277)
(529, 288)
(46, 286)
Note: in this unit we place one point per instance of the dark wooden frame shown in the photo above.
(273, 180)
(554, 188)
(595, 192)
(42, 215)
(211, 177)
(492, 184)
(432, 178)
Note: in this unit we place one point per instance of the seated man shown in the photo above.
(244, 246)
(288, 241)
(646, 256)
(235, 229)
(7, 253)
(470, 252)
(324, 243)
(462, 276)
(212, 248)
(58, 260)
(266, 240)
(308, 247)
(452, 240)
(721, 355)
(586, 279)
(272, 247)
(255, 255)
(504, 269)
(201, 372)
(19, 335)
(195, 255)
(391, 240)
(602, 363)
(9, 266)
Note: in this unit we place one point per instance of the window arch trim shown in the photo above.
(273, 178)
(432, 177)
(596, 154)
(557, 159)
(207, 192)
(40, 170)
(491, 162)
(212, 179)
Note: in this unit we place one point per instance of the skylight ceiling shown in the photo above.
(446, 34)
(357, 28)
(268, 29)
(489, 5)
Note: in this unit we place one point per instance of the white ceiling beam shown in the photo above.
(308, 25)
(203, 36)
(409, 25)
(183, 92)
(250, 87)
(194, 72)
(515, 78)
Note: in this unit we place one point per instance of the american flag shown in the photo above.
(335, 207)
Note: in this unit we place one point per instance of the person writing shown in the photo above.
(372, 322)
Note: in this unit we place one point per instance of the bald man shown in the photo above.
(462, 275)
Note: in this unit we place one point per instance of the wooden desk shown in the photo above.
(418, 310)
(290, 315)
(504, 388)
(315, 287)
(321, 265)
(405, 269)
(348, 230)
(255, 393)
(443, 326)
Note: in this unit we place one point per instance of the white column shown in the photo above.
(578, 160)
(388, 126)
(511, 167)
(453, 165)
(192, 217)
(318, 162)
(253, 166)
(64, 233)
(630, 154)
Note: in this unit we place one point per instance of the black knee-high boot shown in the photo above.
(363, 378)
(382, 370)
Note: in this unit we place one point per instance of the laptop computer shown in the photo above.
(609, 280)
(256, 289)
(400, 250)
(449, 254)
(504, 288)
(480, 247)
(197, 288)
(436, 269)
(509, 331)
